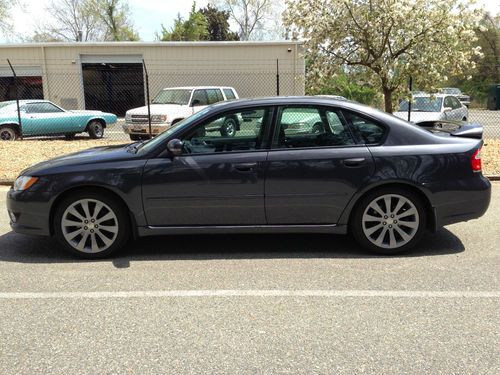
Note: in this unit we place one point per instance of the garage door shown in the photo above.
(112, 84)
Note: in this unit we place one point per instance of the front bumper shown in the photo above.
(29, 212)
(143, 129)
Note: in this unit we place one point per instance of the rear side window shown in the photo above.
(42, 108)
(214, 96)
(306, 127)
(229, 94)
(367, 131)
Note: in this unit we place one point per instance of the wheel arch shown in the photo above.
(419, 191)
(95, 188)
(100, 119)
(13, 125)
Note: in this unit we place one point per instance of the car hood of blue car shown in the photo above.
(94, 155)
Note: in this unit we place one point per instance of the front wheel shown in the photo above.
(91, 224)
(389, 221)
(7, 133)
(229, 127)
(95, 129)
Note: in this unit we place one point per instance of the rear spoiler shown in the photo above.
(454, 128)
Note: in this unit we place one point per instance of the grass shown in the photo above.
(16, 156)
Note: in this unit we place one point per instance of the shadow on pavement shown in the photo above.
(24, 249)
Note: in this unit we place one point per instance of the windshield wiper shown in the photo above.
(135, 146)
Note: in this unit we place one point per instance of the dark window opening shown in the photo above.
(29, 87)
(113, 88)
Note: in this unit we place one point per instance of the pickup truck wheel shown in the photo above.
(228, 129)
(7, 133)
(135, 137)
(95, 129)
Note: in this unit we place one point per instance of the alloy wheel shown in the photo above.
(390, 221)
(89, 226)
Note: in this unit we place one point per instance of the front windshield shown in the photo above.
(422, 104)
(177, 96)
(179, 125)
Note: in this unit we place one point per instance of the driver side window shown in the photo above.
(231, 132)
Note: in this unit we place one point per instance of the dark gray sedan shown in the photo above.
(361, 171)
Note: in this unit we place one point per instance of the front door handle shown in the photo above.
(354, 162)
(245, 167)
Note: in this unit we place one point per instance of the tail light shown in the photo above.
(475, 160)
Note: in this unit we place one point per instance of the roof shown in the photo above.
(196, 87)
(24, 101)
(152, 44)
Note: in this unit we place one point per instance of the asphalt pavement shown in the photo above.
(256, 304)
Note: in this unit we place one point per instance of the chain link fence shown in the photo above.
(66, 122)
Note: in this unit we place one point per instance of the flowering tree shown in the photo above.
(387, 40)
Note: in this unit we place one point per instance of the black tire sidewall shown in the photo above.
(223, 130)
(356, 226)
(91, 131)
(11, 130)
(119, 210)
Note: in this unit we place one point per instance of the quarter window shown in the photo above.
(42, 108)
(231, 132)
(304, 127)
(367, 130)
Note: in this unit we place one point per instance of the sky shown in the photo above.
(148, 15)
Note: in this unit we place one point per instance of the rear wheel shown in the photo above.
(91, 224)
(8, 133)
(95, 129)
(138, 137)
(389, 221)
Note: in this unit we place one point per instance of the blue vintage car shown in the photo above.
(42, 118)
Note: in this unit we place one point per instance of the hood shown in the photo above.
(92, 155)
(157, 109)
(419, 116)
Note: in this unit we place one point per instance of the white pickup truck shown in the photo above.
(174, 104)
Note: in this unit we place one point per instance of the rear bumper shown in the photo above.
(29, 212)
(465, 205)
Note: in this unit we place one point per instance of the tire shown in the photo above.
(368, 224)
(317, 128)
(229, 128)
(138, 137)
(464, 119)
(95, 129)
(82, 240)
(8, 133)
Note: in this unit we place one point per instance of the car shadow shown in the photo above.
(26, 249)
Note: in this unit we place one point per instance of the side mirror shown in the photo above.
(447, 109)
(195, 103)
(174, 146)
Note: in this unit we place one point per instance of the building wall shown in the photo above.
(250, 67)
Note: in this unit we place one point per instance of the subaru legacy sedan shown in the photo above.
(364, 172)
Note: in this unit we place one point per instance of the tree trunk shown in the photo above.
(387, 99)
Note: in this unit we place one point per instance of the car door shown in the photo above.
(458, 111)
(218, 180)
(315, 166)
(47, 118)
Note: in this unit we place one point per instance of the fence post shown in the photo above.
(277, 78)
(17, 99)
(147, 97)
(410, 86)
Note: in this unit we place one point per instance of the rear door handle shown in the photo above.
(354, 162)
(245, 167)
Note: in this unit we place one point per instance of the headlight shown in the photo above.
(24, 182)
(158, 118)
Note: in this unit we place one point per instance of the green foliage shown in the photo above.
(346, 85)
(194, 28)
(217, 24)
(115, 16)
